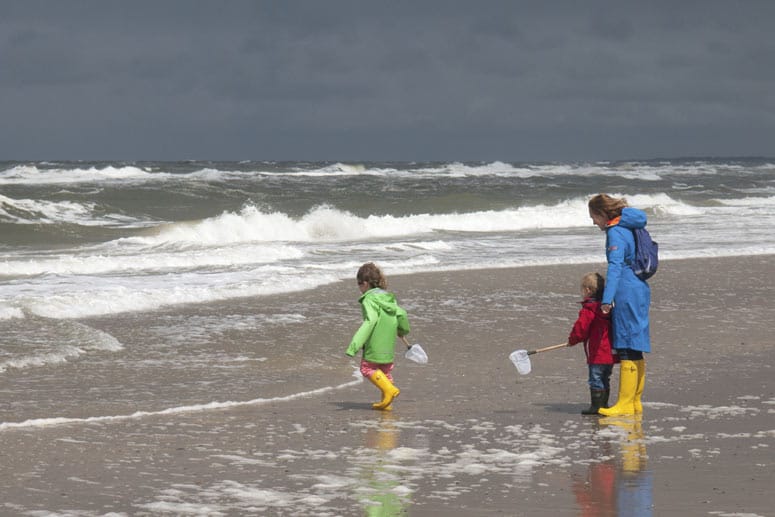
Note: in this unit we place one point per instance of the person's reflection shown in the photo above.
(634, 487)
(380, 497)
(620, 484)
(596, 494)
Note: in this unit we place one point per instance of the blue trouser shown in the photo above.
(600, 376)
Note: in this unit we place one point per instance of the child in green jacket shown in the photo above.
(383, 319)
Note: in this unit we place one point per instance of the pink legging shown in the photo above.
(368, 369)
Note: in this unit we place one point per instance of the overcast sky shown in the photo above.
(386, 80)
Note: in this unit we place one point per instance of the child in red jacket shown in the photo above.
(592, 328)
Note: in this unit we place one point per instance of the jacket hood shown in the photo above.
(594, 304)
(632, 218)
(385, 300)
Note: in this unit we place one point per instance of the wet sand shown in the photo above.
(468, 435)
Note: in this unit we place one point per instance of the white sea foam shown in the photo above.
(339, 169)
(147, 293)
(663, 205)
(30, 174)
(210, 406)
(73, 341)
(711, 412)
(253, 225)
(31, 211)
(327, 224)
(465, 463)
(110, 258)
(46, 359)
(637, 171)
(76, 292)
(754, 202)
(7, 312)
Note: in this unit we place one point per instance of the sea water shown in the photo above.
(132, 243)
(86, 239)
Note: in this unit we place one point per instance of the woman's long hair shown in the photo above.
(606, 205)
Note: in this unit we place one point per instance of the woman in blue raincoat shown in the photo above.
(626, 296)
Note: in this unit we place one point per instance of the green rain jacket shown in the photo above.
(383, 319)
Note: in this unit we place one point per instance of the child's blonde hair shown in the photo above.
(369, 272)
(595, 283)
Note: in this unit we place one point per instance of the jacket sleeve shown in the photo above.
(580, 330)
(616, 247)
(403, 322)
(370, 317)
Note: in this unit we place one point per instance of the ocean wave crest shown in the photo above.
(330, 224)
(647, 171)
(33, 175)
(32, 211)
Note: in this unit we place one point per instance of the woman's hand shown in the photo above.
(605, 308)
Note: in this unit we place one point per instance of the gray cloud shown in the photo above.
(398, 81)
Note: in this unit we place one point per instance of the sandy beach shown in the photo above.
(468, 435)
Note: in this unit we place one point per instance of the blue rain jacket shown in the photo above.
(630, 295)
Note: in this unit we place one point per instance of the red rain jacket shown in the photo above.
(593, 327)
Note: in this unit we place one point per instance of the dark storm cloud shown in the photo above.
(400, 80)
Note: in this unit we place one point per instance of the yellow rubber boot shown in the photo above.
(389, 391)
(641, 365)
(628, 383)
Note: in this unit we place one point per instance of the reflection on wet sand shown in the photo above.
(378, 492)
(619, 484)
